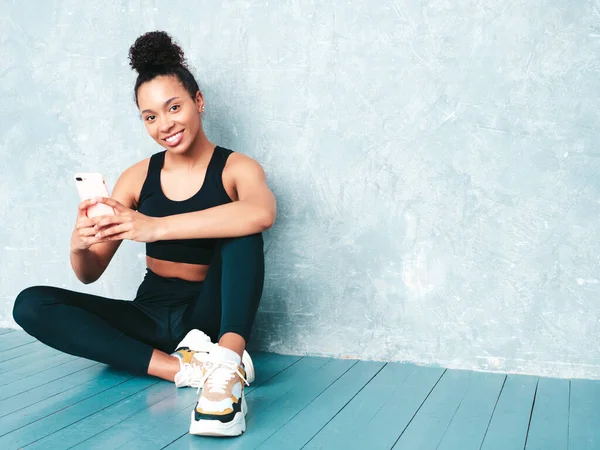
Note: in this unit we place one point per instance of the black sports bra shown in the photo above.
(154, 203)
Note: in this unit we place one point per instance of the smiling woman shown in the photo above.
(200, 209)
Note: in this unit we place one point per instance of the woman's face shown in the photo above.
(171, 116)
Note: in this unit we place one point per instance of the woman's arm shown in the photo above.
(89, 261)
(253, 212)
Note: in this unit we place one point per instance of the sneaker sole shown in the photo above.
(219, 429)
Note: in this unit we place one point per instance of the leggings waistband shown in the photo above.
(158, 288)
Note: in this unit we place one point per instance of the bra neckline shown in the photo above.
(159, 170)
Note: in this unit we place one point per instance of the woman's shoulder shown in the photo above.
(240, 166)
(137, 172)
(237, 160)
(129, 184)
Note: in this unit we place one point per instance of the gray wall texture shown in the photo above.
(435, 163)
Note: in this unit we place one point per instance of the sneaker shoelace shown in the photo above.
(218, 374)
(195, 368)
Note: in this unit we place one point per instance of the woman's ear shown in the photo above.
(199, 102)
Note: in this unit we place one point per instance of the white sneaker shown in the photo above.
(221, 409)
(190, 367)
(192, 352)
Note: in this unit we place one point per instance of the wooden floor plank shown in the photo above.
(361, 408)
(103, 380)
(51, 430)
(430, 422)
(9, 341)
(404, 397)
(108, 417)
(392, 396)
(25, 349)
(52, 400)
(259, 358)
(275, 390)
(144, 424)
(165, 427)
(266, 419)
(30, 354)
(468, 427)
(584, 415)
(36, 366)
(40, 393)
(549, 427)
(43, 377)
(300, 429)
(510, 420)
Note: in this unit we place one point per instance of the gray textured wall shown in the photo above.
(435, 162)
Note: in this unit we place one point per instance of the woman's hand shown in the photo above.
(125, 224)
(84, 234)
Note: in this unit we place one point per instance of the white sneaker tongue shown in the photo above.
(224, 354)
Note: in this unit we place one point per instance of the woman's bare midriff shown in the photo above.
(170, 269)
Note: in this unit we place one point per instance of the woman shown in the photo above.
(200, 209)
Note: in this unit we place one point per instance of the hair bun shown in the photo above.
(155, 50)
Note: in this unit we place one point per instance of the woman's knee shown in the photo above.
(252, 244)
(26, 310)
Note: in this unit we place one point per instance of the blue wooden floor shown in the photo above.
(50, 400)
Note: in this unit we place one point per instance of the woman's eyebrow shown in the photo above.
(164, 104)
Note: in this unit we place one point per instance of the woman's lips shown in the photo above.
(174, 139)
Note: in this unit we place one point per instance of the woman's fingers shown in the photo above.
(85, 222)
(108, 221)
(88, 231)
(110, 232)
(117, 237)
(117, 206)
(84, 205)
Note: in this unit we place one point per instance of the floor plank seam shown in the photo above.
(51, 381)
(451, 419)
(41, 371)
(51, 358)
(419, 408)
(91, 407)
(51, 396)
(493, 411)
(16, 346)
(537, 384)
(95, 412)
(391, 394)
(172, 442)
(123, 419)
(307, 405)
(342, 408)
(69, 406)
(264, 382)
(193, 404)
(23, 356)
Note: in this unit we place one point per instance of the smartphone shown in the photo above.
(93, 185)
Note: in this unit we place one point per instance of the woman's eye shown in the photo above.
(149, 118)
(174, 106)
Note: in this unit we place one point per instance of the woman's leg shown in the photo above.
(114, 332)
(225, 310)
(226, 306)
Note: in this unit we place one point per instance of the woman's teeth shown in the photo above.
(174, 137)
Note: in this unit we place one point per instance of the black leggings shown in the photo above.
(123, 333)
